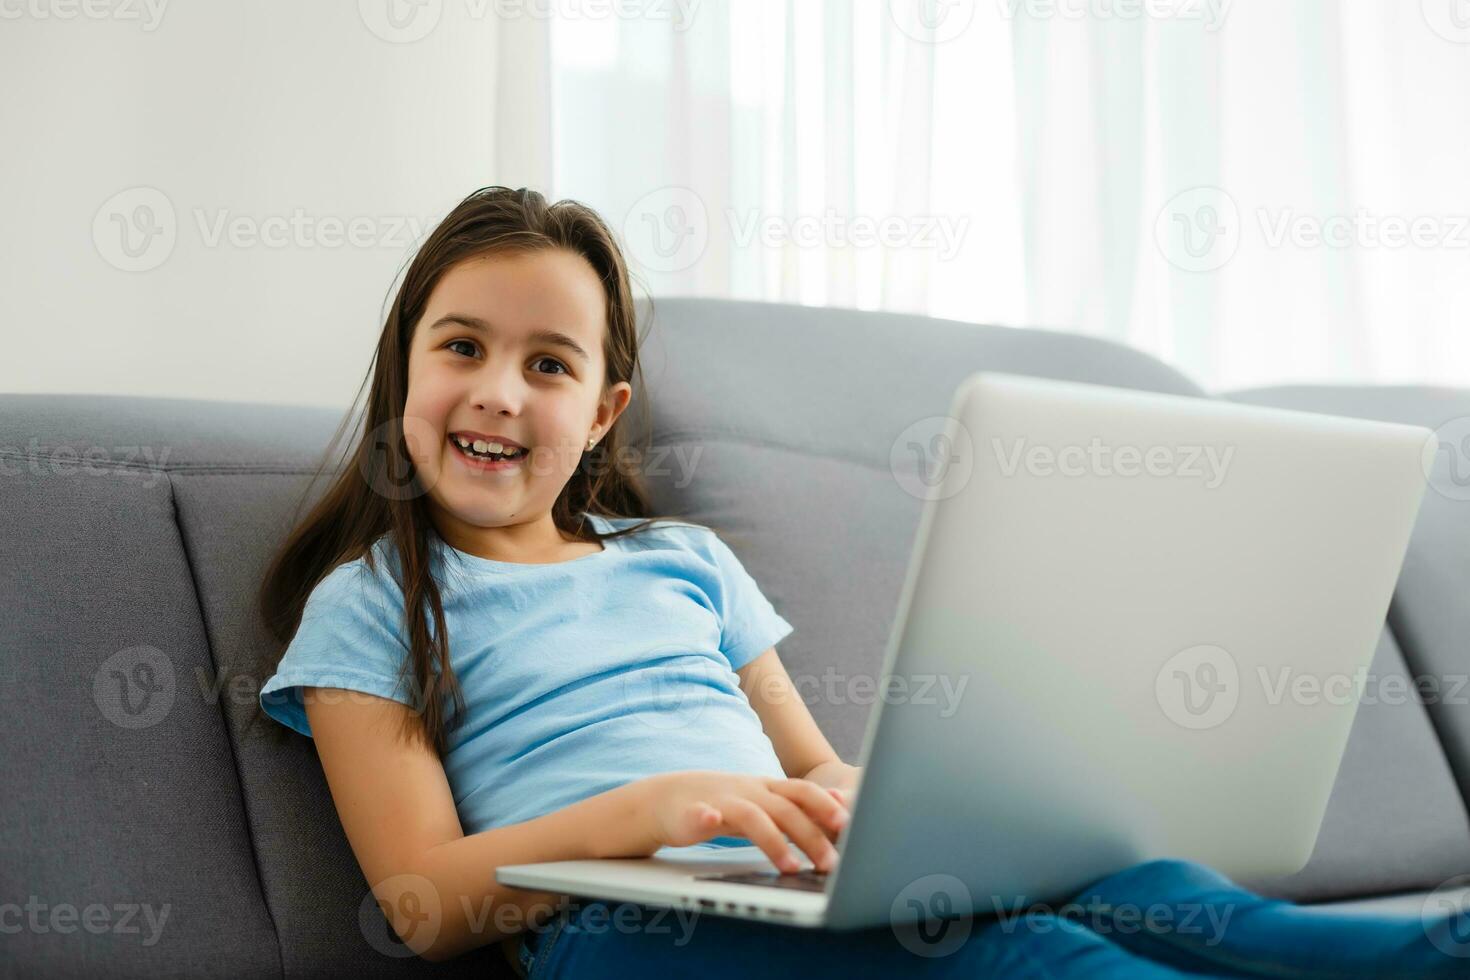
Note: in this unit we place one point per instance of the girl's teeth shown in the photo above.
(484, 448)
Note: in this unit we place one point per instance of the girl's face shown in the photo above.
(509, 346)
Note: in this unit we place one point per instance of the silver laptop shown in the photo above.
(1160, 612)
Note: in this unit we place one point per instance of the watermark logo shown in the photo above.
(1198, 687)
(400, 21)
(147, 13)
(392, 474)
(942, 234)
(1198, 230)
(122, 919)
(1205, 463)
(302, 230)
(653, 463)
(667, 230)
(932, 21)
(1450, 19)
(1363, 229)
(1207, 920)
(597, 917)
(135, 229)
(1445, 915)
(933, 458)
(87, 461)
(404, 909)
(134, 688)
(1210, 13)
(834, 688)
(406, 21)
(1447, 458)
(1285, 683)
(1201, 229)
(932, 916)
(672, 692)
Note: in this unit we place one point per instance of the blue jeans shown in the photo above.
(1154, 920)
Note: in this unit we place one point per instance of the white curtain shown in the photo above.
(1257, 191)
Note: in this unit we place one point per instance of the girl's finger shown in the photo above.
(706, 817)
(798, 825)
(698, 821)
(757, 826)
(826, 821)
(825, 807)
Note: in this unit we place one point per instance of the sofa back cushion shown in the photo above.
(121, 819)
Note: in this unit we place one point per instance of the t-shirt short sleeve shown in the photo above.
(350, 637)
(749, 624)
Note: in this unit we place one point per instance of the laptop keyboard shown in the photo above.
(807, 881)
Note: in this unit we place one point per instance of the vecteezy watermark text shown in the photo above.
(1205, 919)
(836, 688)
(1201, 686)
(147, 13)
(1363, 229)
(136, 229)
(1210, 13)
(1097, 458)
(121, 918)
(405, 913)
(406, 21)
(145, 461)
(939, 233)
(1201, 229)
(669, 228)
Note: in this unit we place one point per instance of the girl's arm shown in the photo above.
(436, 886)
(800, 745)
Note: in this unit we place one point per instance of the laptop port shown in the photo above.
(705, 903)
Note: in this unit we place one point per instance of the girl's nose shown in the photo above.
(499, 388)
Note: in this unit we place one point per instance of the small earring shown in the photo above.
(591, 442)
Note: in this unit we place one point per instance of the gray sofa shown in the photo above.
(148, 828)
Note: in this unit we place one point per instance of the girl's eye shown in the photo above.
(450, 346)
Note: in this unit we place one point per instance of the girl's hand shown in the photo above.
(693, 806)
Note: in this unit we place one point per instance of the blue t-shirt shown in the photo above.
(577, 676)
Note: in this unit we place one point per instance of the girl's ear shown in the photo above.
(613, 402)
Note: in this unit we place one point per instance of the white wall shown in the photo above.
(253, 112)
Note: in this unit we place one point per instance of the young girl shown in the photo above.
(503, 659)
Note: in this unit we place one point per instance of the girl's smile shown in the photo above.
(490, 462)
(480, 465)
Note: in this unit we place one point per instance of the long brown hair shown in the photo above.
(379, 492)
